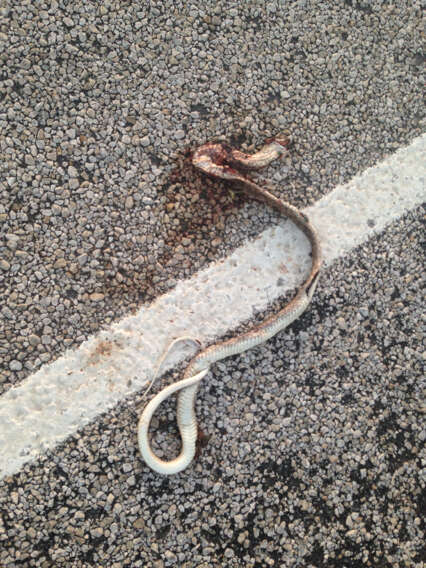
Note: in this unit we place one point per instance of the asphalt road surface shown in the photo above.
(313, 448)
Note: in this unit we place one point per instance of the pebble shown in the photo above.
(97, 297)
(60, 263)
(72, 172)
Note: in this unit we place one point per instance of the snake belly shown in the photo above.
(218, 160)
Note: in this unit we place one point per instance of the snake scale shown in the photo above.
(219, 160)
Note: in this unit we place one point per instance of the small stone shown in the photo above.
(15, 365)
(7, 312)
(32, 533)
(82, 259)
(60, 263)
(97, 532)
(72, 172)
(12, 241)
(34, 339)
(97, 297)
(145, 141)
(128, 204)
(139, 523)
(4, 265)
(131, 119)
(21, 254)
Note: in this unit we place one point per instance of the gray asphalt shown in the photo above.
(313, 443)
(312, 456)
(99, 210)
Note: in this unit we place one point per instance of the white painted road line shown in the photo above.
(62, 397)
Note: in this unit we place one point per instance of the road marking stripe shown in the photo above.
(63, 396)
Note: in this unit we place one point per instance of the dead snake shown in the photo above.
(219, 160)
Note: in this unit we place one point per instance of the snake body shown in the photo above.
(219, 160)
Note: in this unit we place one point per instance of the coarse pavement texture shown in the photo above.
(313, 448)
(99, 102)
(314, 441)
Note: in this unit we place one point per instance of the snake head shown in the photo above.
(213, 159)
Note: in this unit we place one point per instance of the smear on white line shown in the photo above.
(64, 396)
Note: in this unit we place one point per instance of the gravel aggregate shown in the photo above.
(312, 452)
(313, 447)
(100, 103)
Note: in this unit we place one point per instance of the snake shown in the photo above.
(221, 161)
